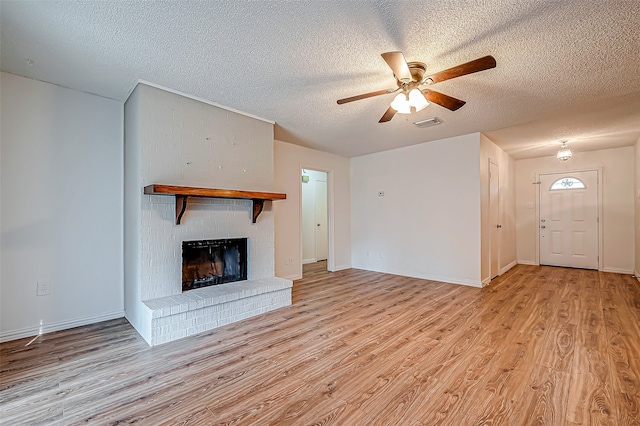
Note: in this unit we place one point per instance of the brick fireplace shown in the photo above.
(175, 140)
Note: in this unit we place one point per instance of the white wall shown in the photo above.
(637, 208)
(309, 224)
(62, 177)
(507, 247)
(289, 160)
(617, 201)
(427, 224)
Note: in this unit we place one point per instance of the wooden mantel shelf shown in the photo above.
(183, 192)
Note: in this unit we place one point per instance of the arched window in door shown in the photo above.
(567, 183)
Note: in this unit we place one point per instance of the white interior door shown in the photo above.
(322, 230)
(569, 219)
(494, 218)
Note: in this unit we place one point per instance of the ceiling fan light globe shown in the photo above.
(401, 104)
(417, 100)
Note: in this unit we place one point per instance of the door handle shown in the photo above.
(498, 226)
(318, 224)
(543, 227)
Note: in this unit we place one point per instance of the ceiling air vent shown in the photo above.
(428, 122)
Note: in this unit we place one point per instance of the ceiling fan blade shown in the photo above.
(364, 96)
(388, 115)
(441, 99)
(398, 64)
(480, 64)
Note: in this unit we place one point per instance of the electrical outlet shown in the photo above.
(43, 289)
(529, 205)
(290, 261)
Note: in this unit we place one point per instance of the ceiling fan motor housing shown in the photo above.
(417, 70)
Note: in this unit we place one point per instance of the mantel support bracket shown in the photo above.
(182, 193)
(258, 205)
(181, 206)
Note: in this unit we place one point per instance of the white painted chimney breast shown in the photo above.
(189, 143)
(174, 140)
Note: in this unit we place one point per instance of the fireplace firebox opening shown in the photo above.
(211, 262)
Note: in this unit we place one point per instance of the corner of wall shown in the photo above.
(132, 210)
(637, 206)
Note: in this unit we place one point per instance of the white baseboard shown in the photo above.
(487, 280)
(509, 266)
(6, 336)
(614, 270)
(341, 268)
(618, 271)
(444, 279)
(637, 274)
(306, 261)
(527, 262)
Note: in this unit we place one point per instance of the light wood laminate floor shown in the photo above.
(540, 345)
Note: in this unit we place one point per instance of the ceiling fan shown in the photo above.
(410, 76)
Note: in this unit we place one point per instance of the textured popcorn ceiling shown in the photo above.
(567, 69)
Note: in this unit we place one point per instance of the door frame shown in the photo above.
(491, 242)
(331, 267)
(322, 212)
(598, 170)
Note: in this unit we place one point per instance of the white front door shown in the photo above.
(569, 219)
